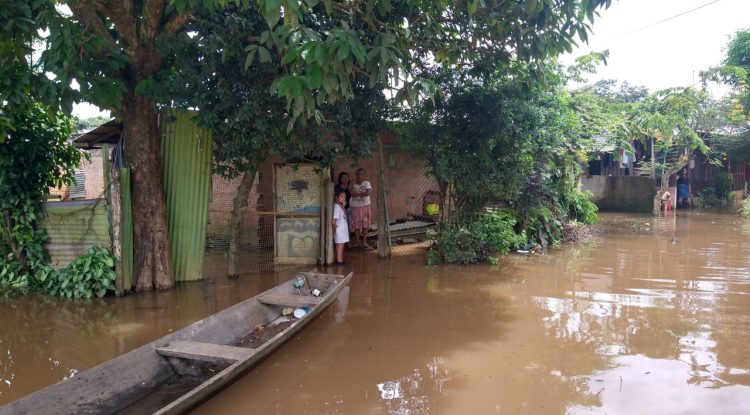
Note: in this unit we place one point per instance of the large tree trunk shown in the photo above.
(152, 268)
(235, 227)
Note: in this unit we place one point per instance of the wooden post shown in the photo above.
(384, 233)
(329, 222)
(653, 161)
(324, 229)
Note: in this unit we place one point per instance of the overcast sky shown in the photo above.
(645, 52)
(667, 54)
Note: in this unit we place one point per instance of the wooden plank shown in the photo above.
(289, 300)
(207, 352)
(283, 260)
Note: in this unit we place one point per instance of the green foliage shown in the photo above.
(745, 209)
(492, 233)
(232, 93)
(723, 185)
(485, 139)
(108, 50)
(707, 199)
(34, 156)
(582, 208)
(737, 68)
(387, 41)
(717, 195)
(87, 276)
(667, 119)
(543, 226)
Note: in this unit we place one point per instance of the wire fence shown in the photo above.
(279, 225)
(413, 207)
(256, 229)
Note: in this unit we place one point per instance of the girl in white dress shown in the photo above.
(340, 227)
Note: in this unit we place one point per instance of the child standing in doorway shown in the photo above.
(340, 227)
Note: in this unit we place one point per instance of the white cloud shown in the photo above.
(668, 54)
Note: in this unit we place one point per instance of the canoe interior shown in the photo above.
(142, 380)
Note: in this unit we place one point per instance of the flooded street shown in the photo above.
(652, 317)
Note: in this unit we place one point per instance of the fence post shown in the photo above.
(328, 220)
(384, 233)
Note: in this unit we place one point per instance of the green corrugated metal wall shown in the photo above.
(73, 227)
(126, 229)
(187, 153)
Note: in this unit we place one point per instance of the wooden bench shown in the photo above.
(290, 300)
(206, 352)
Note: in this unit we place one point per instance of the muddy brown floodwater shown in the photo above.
(652, 317)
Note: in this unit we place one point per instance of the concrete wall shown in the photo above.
(620, 194)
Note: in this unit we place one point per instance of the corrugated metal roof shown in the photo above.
(107, 133)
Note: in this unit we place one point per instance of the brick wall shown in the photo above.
(94, 172)
(94, 178)
(257, 229)
(405, 176)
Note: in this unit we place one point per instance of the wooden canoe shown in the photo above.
(208, 350)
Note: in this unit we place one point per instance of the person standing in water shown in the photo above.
(683, 190)
(340, 227)
(360, 216)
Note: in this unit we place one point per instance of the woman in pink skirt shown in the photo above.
(360, 219)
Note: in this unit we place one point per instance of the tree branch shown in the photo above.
(120, 12)
(177, 22)
(153, 12)
(90, 20)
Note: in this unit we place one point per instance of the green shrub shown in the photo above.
(723, 185)
(87, 276)
(708, 198)
(13, 278)
(492, 233)
(582, 208)
(543, 226)
(745, 209)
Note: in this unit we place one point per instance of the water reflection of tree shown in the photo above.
(671, 294)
